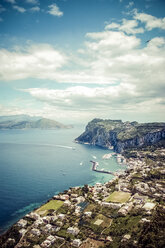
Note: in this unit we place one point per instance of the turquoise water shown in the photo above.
(36, 164)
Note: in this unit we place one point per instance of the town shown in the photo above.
(114, 214)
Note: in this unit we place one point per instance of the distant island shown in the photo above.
(122, 135)
(28, 122)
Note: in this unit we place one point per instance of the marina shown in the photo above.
(96, 164)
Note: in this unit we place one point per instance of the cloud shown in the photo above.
(36, 61)
(150, 21)
(82, 98)
(130, 4)
(54, 10)
(129, 74)
(127, 26)
(32, 1)
(19, 9)
(1, 20)
(35, 9)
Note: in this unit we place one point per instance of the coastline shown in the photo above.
(53, 222)
(8, 226)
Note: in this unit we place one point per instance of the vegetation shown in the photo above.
(53, 204)
(118, 196)
(22, 122)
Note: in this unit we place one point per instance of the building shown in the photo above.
(22, 223)
(73, 230)
(76, 242)
(36, 232)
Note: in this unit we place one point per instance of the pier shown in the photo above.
(94, 168)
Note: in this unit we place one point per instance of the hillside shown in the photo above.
(122, 135)
(27, 122)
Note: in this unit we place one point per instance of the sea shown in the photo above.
(37, 164)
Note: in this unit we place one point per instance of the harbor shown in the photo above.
(95, 166)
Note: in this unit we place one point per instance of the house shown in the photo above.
(59, 238)
(22, 223)
(109, 238)
(48, 227)
(51, 238)
(139, 198)
(111, 205)
(61, 197)
(67, 203)
(46, 244)
(126, 237)
(144, 220)
(149, 206)
(79, 199)
(61, 216)
(74, 195)
(73, 230)
(38, 222)
(34, 216)
(36, 232)
(22, 231)
(125, 209)
(76, 242)
(88, 214)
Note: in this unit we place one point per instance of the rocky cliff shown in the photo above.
(122, 135)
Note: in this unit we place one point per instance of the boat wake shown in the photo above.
(50, 145)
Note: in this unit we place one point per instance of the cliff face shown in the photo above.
(122, 135)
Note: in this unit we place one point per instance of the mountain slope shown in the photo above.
(27, 122)
(122, 135)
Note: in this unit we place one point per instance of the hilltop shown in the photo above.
(28, 122)
(122, 135)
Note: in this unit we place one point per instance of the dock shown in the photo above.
(94, 168)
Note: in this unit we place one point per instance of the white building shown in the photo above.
(36, 232)
(22, 223)
(88, 214)
(76, 242)
(73, 230)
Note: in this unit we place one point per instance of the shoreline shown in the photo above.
(48, 199)
(55, 218)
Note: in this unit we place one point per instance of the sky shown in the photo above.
(75, 60)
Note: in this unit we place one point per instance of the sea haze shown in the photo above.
(36, 164)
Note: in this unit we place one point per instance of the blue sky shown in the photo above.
(73, 60)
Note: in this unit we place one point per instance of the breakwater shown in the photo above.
(94, 168)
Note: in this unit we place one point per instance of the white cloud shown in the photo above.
(35, 9)
(127, 26)
(32, 1)
(54, 10)
(36, 61)
(80, 98)
(19, 9)
(130, 4)
(150, 21)
(130, 77)
(1, 20)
